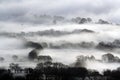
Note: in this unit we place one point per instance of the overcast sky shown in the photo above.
(21, 9)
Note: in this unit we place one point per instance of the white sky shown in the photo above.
(18, 9)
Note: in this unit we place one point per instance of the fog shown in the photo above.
(102, 66)
(63, 48)
(24, 10)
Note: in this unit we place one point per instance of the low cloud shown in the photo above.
(21, 10)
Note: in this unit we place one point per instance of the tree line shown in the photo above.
(57, 73)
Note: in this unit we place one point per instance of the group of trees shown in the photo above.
(80, 20)
(50, 32)
(109, 45)
(112, 74)
(105, 58)
(44, 19)
(55, 73)
(34, 53)
(72, 45)
(101, 45)
(81, 60)
(100, 21)
(110, 58)
(48, 19)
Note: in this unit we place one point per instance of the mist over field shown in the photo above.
(75, 33)
(62, 42)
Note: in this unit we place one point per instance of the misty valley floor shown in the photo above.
(59, 40)
(65, 44)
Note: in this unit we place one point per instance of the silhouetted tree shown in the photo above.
(33, 54)
(83, 20)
